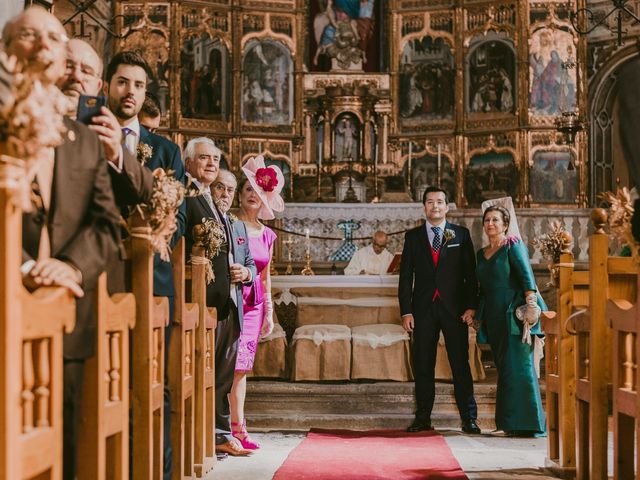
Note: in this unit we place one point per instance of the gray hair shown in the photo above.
(190, 149)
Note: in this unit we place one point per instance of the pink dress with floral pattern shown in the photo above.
(252, 297)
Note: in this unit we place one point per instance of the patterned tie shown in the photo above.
(437, 243)
(125, 134)
(206, 193)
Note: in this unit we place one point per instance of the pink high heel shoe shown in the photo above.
(239, 431)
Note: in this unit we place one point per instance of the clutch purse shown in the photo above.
(255, 296)
(522, 309)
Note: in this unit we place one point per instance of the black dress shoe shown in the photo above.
(419, 426)
(470, 426)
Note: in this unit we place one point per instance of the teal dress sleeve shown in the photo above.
(522, 275)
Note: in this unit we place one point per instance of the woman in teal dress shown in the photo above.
(506, 282)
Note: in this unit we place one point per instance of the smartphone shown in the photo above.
(89, 107)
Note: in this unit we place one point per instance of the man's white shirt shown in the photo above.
(368, 261)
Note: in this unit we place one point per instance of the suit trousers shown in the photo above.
(73, 376)
(425, 347)
(226, 345)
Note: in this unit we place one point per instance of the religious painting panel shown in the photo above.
(427, 81)
(491, 76)
(346, 138)
(146, 31)
(346, 35)
(429, 170)
(267, 83)
(205, 89)
(490, 175)
(552, 86)
(553, 177)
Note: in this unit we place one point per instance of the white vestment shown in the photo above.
(368, 261)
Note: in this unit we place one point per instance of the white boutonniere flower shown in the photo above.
(232, 218)
(449, 235)
(145, 151)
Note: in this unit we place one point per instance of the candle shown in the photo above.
(259, 147)
(439, 158)
(306, 235)
(409, 167)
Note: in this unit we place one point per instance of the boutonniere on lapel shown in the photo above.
(144, 152)
(232, 218)
(241, 241)
(449, 234)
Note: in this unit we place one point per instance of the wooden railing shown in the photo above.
(205, 448)
(31, 366)
(609, 278)
(103, 444)
(560, 377)
(624, 318)
(182, 357)
(147, 360)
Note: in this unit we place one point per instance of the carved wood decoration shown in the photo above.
(454, 74)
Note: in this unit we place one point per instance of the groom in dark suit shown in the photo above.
(232, 267)
(126, 84)
(438, 292)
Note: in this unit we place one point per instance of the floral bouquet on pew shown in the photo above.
(210, 236)
(551, 245)
(31, 121)
(161, 211)
(619, 216)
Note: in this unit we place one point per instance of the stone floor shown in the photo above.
(509, 458)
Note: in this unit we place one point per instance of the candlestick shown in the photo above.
(289, 243)
(307, 265)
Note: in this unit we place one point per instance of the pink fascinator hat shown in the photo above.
(267, 183)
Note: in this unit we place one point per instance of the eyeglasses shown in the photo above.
(31, 35)
(221, 187)
(85, 70)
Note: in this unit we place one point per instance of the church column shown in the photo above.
(367, 138)
(327, 151)
(308, 139)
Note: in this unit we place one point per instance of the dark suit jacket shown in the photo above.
(218, 291)
(131, 186)
(83, 224)
(166, 155)
(454, 277)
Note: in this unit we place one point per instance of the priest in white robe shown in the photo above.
(373, 259)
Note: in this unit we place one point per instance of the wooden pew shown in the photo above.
(205, 448)
(182, 355)
(624, 319)
(609, 277)
(573, 289)
(147, 359)
(103, 443)
(31, 365)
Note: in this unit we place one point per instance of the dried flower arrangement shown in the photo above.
(160, 212)
(31, 121)
(620, 212)
(211, 237)
(552, 244)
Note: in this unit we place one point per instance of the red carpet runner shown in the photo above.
(371, 455)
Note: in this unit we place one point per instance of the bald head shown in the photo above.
(83, 74)
(380, 240)
(38, 40)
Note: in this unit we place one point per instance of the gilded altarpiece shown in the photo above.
(466, 96)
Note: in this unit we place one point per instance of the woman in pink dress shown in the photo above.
(259, 196)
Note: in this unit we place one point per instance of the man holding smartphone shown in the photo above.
(132, 183)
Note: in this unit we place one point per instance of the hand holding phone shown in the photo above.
(89, 107)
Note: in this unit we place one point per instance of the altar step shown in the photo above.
(273, 405)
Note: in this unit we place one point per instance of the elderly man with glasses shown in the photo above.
(373, 259)
(81, 207)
